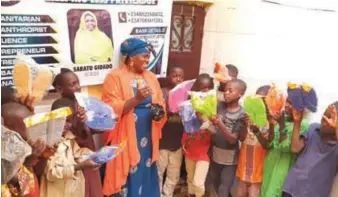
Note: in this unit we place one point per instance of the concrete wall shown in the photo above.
(270, 42)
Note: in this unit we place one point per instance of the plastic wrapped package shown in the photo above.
(295, 96)
(255, 108)
(48, 126)
(179, 94)
(190, 121)
(205, 103)
(275, 101)
(221, 73)
(302, 96)
(14, 151)
(310, 98)
(106, 153)
(31, 78)
(100, 116)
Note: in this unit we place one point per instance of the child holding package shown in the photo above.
(170, 159)
(315, 169)
(25, 183)
(63, 176)
(67, 83)
(196, 146)
(279, 158)
(254, 140)
(233, 73)
(226, 140)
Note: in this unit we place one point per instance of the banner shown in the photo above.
(82, 35)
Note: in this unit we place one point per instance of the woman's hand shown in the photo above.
(143, 93)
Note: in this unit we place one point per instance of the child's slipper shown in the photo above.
(310, 98)
(41, 83)
(295, 96)
(22, 77)
(254, 106)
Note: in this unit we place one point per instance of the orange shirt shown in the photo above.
(251, 159)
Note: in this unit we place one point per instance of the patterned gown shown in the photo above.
(143, 179)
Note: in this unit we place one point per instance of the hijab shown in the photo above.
(92, 46)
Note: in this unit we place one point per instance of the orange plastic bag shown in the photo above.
(221, 73)
(275, 101)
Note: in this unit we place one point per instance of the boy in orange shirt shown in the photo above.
(252, 153)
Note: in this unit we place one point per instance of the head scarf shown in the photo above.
(92, 46)
(134, 46)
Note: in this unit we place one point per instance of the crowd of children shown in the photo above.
(287, 158)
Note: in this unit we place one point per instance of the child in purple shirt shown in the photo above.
(317, 164)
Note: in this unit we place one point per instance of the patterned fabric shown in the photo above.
(134, 46)
(142, 180)
(26, 184)
(251, 157)
(116, 91)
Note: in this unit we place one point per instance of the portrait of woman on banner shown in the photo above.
(91, 45)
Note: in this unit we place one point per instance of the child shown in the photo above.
(226, 140)
(63, 175)
(252, 153)
(233, 73)
(196, 147)
(67, 83)
(8, 94)
(280, 159)
(26, 183)
(170, 159)
(316, 166)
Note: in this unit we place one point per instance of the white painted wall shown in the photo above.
(270, 42)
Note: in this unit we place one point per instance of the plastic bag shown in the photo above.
(14, 151)
(106, 153)
(48, 126)
(275, 101)
(189, 119)
(221, 73)
(31, 78)
(179, 94)
(205, 103)
(256, 110)
(310, 97)
(100, 116)
(302, 96)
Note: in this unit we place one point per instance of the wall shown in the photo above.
(270, 42)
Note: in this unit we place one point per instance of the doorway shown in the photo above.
(186, 35)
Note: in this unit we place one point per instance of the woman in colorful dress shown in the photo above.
(131, 90)
(279, 159)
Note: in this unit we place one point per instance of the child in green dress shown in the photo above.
(279, 158)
